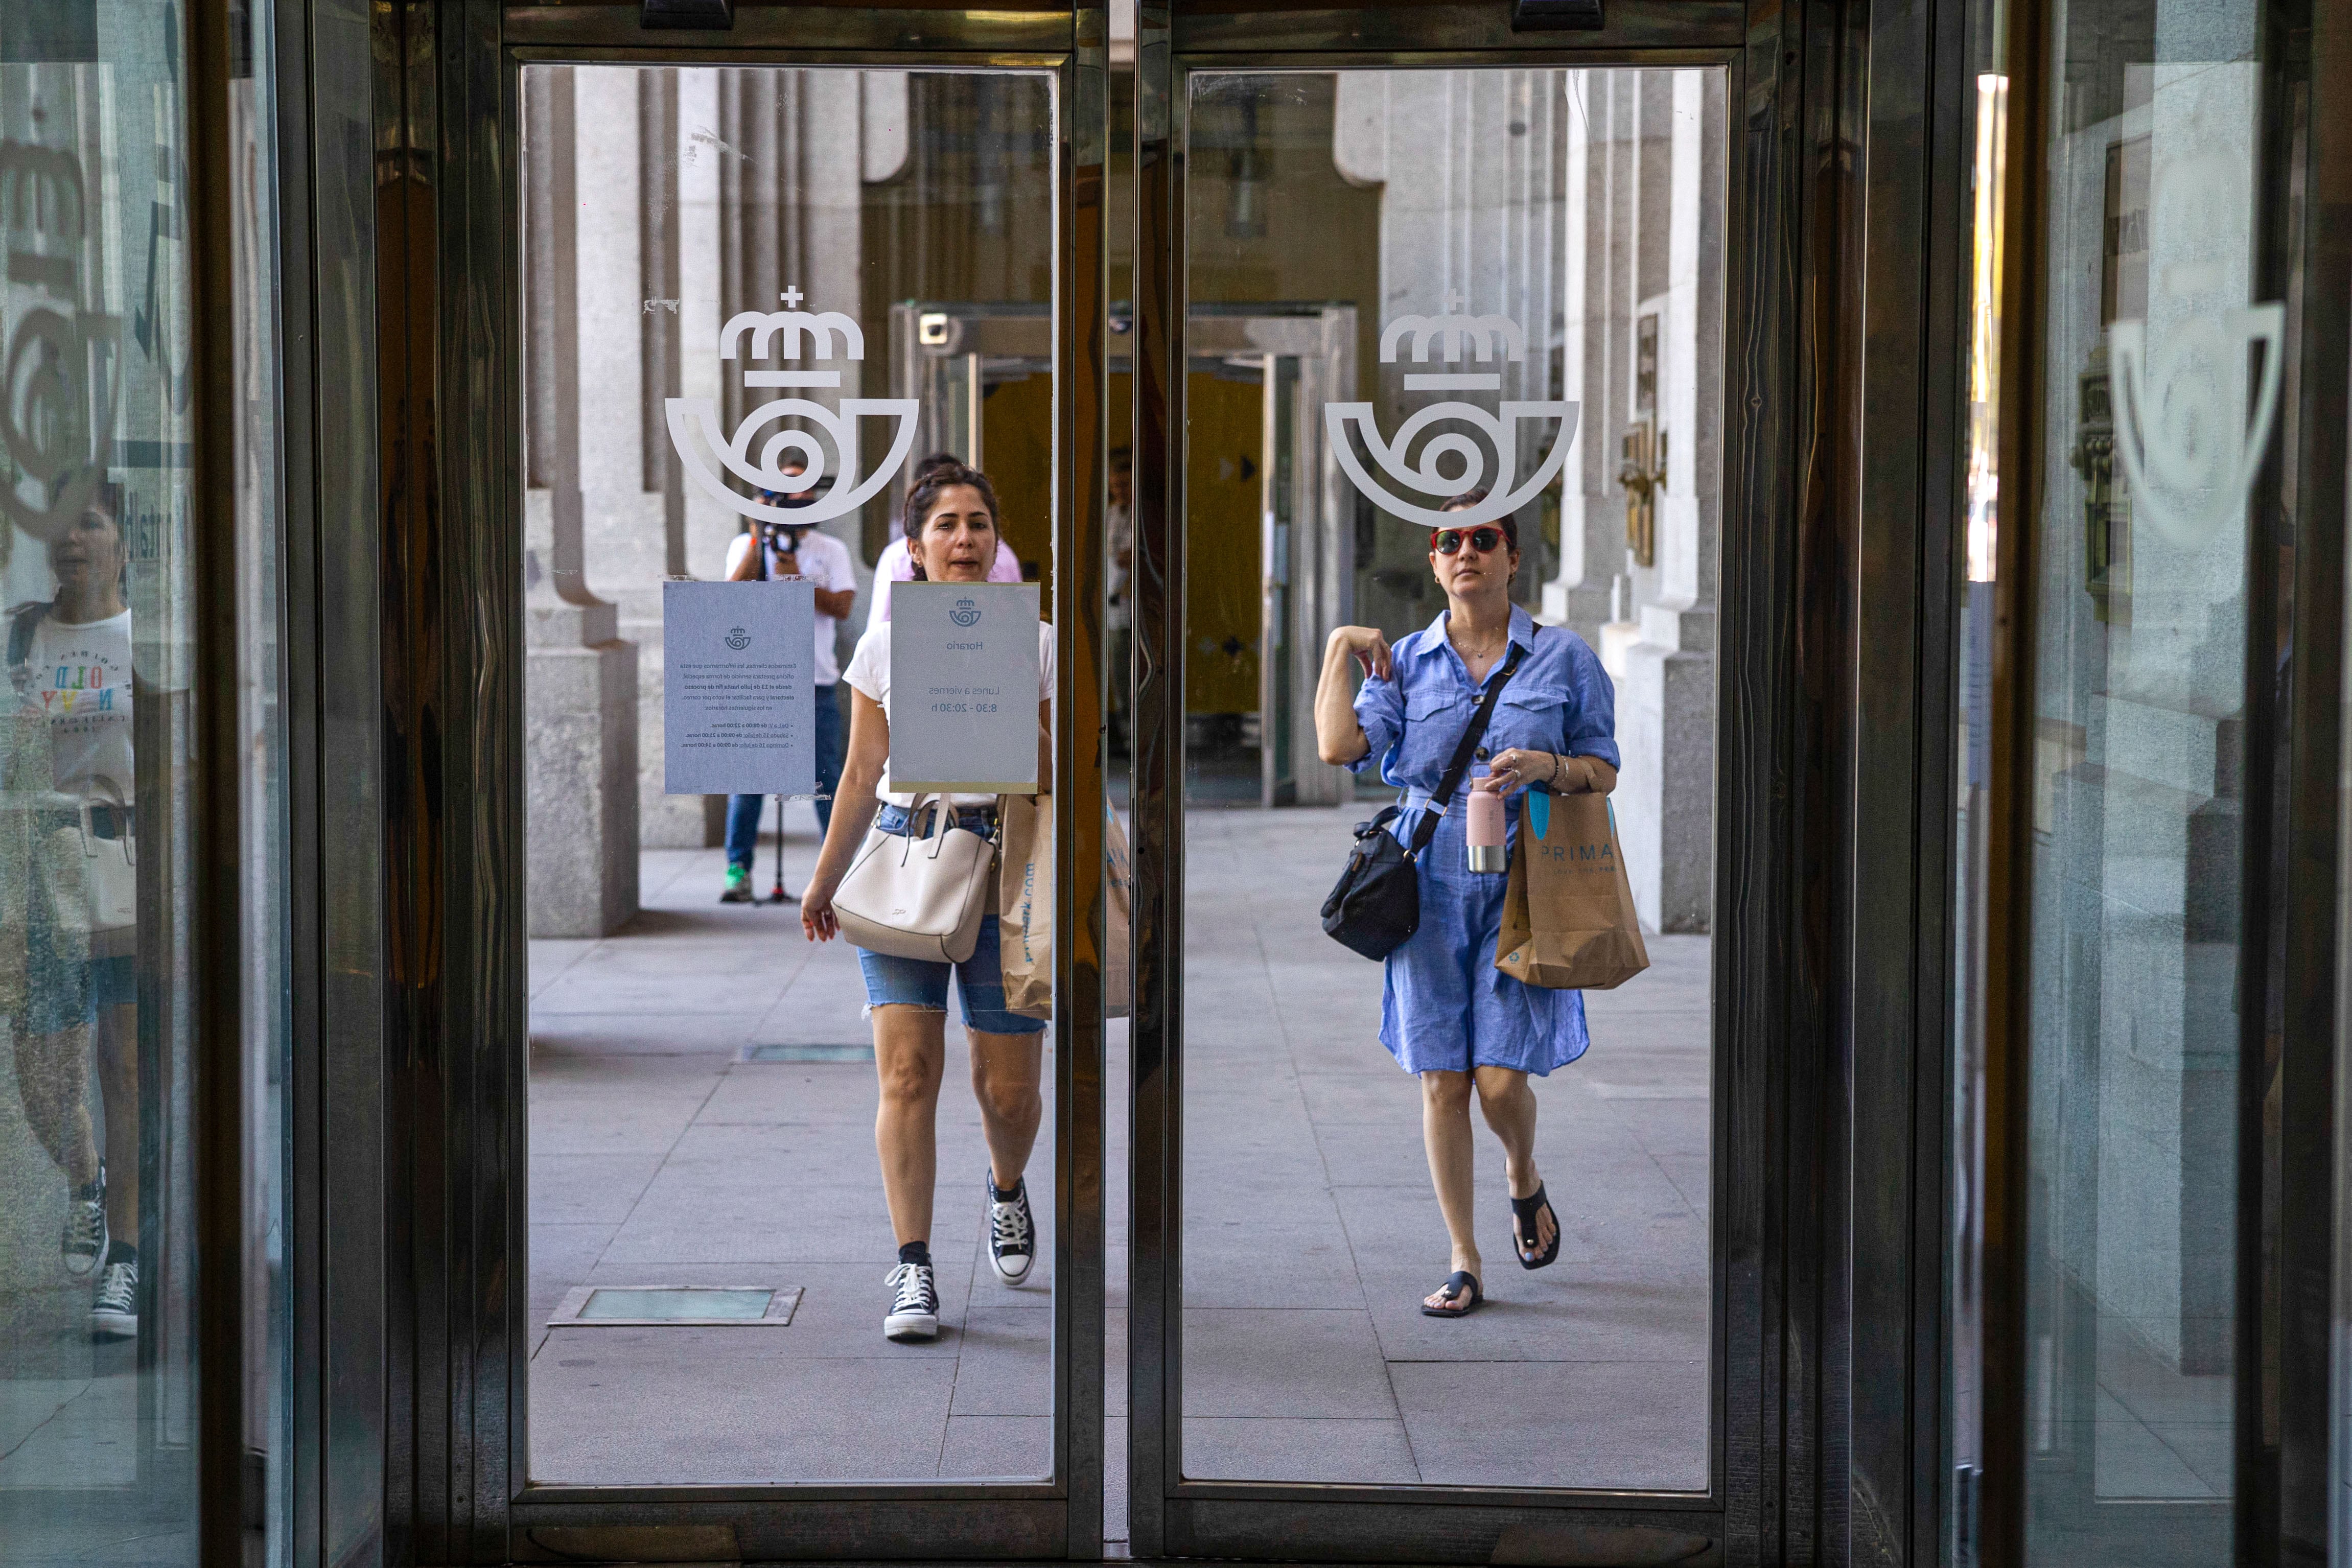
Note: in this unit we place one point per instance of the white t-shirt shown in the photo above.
(894, 565)
(869, 672)
(80, 675)
(825, 561)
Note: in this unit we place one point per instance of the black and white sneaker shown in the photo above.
(114, 1311)
(914, 1312)
(85, 1229)
(1012, 1231)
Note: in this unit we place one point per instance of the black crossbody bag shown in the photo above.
(1376, 903)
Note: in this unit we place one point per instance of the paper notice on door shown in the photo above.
(739, 694)
(963, 687)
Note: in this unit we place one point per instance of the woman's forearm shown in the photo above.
(854, 805)
(1582, 775)
(1338, 735)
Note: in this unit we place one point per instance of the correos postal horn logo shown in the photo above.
(829, 335)
(62, 365)
(965, 614)
(1457, 337)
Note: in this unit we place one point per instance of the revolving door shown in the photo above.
(634, 1234)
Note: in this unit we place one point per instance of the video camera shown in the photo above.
(784, 536)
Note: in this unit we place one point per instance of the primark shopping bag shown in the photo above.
(1568, 911)
(1026, 899)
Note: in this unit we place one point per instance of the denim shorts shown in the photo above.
(923, 983)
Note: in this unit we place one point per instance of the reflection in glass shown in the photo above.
(1971, 791)
(262, 818)
(2162, 362)
(1405, 286)
(756, 302)
(98, 1428)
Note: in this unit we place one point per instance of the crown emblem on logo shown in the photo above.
(738, 638)
(790, 333)
(1456, 337)
(965, 614)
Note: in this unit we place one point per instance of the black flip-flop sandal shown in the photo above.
(1524, 1211)
(1458, 1282)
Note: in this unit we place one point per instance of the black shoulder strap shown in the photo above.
(1464, 750)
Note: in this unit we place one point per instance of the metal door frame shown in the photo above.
(1827, 1255)
(446, 113)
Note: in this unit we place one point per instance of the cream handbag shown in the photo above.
(918, 898)
(110, 878)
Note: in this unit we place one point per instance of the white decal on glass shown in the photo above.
(2181, 427)
(828, 335)
(1458, 338)
(56, 416)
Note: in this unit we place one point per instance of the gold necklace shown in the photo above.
(1468, 653)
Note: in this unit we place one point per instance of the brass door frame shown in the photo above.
(447, 256)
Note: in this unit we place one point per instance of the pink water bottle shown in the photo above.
(1484, 831)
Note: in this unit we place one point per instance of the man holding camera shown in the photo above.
(766, 552)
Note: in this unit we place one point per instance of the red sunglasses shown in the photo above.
(1449, 541)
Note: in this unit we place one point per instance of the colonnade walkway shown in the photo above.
(702, 1112)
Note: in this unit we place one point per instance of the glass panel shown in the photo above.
(2162, 363)
(98, 1417)
(1497, 290)
(263, 851)
(1964, 1407)
(724, 268)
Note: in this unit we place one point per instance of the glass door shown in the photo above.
(1429, 1261)
(766, 1235)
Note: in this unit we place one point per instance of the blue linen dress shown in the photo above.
(1444, 1006)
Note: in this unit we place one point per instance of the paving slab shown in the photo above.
(1634, 1423)
(1281, 1448)
(1307, 1361)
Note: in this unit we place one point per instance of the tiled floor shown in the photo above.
(1311, 1232)
(658, 1157)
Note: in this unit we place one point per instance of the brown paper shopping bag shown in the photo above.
(1568, 911)
(1025, 921)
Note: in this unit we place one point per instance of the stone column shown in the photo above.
(1667, 674)
(579, 680)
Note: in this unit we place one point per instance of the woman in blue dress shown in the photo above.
(1448, 1014)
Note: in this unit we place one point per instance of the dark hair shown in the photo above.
(931, 480)
(1509, 523)
(936, 461)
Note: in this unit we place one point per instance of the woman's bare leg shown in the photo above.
(1509, 1100)
(1446, 1134)
(117, 1088)
(1006, 1074)
(910, 1055)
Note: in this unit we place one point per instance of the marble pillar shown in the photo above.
(580, 675)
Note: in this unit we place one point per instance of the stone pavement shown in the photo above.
(660, 1157)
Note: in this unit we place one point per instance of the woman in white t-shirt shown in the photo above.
(952, 535)
(69, 690)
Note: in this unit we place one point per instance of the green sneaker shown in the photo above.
(739, 886)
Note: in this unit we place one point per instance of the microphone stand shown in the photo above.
(777, 894)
